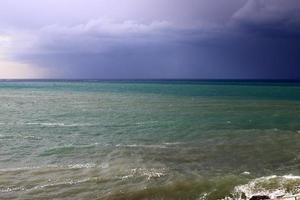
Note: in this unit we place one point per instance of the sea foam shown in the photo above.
(272, 186)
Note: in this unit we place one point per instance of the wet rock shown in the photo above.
(259, 197)
(244, 196)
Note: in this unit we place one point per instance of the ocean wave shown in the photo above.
(52, 166)
(11, 189)
(58, 124)
(19, 136)
(49, 124)
(142, 145)
(159, 146)
(272, 186)
(6, 136)
(147, 173)
(66, 149)
(172, 143)
(219, 188)
(69, 182)
(32, 137)
(146, 122)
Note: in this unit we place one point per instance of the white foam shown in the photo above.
(104, 165)
(172, 143)
(80, 166)
(48, 124)
(273, 186)
(67, 182)
(142, 145)
(147, 173)
(203, 196)
(146, 122)
(12, 189)
(291, 177)
(69, 166)
(32, 137)
(246, 173)
(55, 184)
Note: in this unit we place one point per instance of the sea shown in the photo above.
(148, 139)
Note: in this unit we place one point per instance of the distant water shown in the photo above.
(148, 140)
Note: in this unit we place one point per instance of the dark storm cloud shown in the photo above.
(156, 39)
(270, 38)
(279, 18)
(112, 49)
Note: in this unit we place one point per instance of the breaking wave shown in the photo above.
(273, 187)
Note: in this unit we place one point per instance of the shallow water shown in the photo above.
(148, 140)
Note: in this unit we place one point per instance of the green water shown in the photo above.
(147, 140)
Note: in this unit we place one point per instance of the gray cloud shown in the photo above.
(156, 39)
(97, 36)
(108, 48)
(279, 18)
(36, 13)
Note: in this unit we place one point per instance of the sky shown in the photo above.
(150, 39)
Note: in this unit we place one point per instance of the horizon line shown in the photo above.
(154, 79)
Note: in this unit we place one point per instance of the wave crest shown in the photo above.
(272, 186)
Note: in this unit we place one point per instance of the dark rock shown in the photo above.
(244, 196)
(259, 197)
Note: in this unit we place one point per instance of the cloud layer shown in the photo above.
(269, 17)
(156, 39)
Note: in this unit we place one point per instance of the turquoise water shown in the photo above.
(148, 140)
